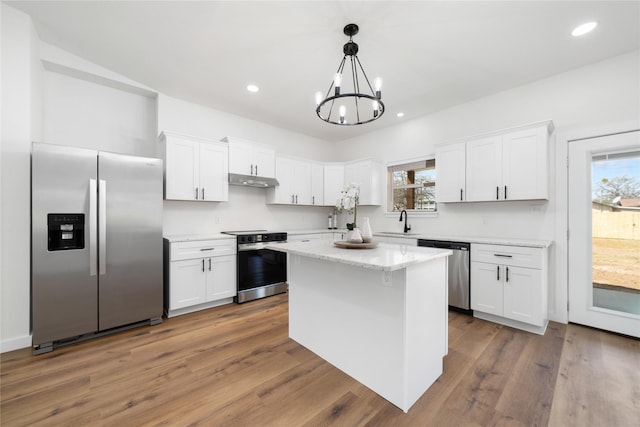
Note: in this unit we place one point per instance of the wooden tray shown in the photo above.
(346, 245)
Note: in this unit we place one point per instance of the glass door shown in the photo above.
(604, 226)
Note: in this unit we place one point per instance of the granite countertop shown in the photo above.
(195, 237)
(507, 241)
(386, 257)
(318, 231)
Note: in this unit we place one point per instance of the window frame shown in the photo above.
(390, 187)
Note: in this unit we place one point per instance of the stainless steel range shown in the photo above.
(262, 272)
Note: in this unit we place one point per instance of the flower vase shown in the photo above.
(365, 231)
(353, 236)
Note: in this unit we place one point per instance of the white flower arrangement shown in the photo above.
(348, 201)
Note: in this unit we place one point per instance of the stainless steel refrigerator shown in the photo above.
(96, 243)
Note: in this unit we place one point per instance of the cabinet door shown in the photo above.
(317, 184)
(221, 277)
(525, 165)
(367, 175)
(284, 193)
(523, 295)
(187, 283)
(214, 172)
(240, 158)
(182, 169)
(484, 169)
(302, 182)
(487, 288)
(450, 167)
(264, 161)
(333, 183)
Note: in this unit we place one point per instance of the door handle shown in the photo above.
(93, 227)
(102, 226)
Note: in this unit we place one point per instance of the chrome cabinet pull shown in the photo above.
(296, 199)
(251, 169)
(498, 273)
(210, 264)
(203, 265)
(196, 193)
(503, 255)
(207, 249)
(461, 194)
(202, 193)
(256, 170)
(497, 193)
(313, 200)
(507, 278)
(292, 199)
(505, 192)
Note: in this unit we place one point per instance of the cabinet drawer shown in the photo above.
(518, 256)
(202, 249)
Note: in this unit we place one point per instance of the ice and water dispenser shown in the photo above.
(65, 231)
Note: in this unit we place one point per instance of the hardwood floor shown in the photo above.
(235, 366)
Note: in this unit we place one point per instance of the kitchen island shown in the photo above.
(379, 315)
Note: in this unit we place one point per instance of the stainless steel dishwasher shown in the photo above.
(459, 267)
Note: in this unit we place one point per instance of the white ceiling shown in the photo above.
(430, 54)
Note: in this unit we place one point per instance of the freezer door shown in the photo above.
(64, 293)
(130, 223)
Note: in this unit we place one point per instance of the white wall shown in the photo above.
(17, 113)
(246, 208)
(590, 97)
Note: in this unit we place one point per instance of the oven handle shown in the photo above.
(255, 246)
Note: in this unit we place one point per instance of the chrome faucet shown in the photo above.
(406, 227)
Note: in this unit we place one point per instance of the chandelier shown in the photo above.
(356, 107)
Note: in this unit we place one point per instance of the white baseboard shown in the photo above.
(15, 343)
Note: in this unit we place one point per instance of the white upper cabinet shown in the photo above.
(506, 165)
(294, 177)
(317, 184)
(450, 169)
(333, 183)
(250, 158)
(195, 168)
(484, 169)
(369, 176)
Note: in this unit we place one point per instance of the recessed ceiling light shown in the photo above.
(253, 88)
(400, 114)
(583, 29)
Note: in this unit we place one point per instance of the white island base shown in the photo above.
(384, 326)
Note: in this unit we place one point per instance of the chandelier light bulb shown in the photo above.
(376, 107)
(343, 111)
(318, 97)
(337, 81)
(378, 85)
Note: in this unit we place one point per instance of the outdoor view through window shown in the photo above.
(615, 190)
(413, 186)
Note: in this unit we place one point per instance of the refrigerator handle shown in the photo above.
(93, 227)
(102, 226)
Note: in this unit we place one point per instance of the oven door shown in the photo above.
(258, 267)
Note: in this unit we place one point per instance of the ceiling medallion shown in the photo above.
(354, 108)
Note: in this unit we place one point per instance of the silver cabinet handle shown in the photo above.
(251, 169)
(498, 273)
(203, 265)
(505, 192)
(202, 193)
(102, 226)
(296, 199)
(196, 193)
(209, 264)
(207, 249)
(507, 276)
(503, 255)
(256, 170)
(497, 193)
(93, 227)
(461, 194)
(292, 199)
(313, 200)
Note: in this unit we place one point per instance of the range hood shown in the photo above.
(252, 181)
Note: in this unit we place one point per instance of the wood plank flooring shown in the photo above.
(235, 366)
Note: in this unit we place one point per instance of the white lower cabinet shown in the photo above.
(509, 285)
(199, 274)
